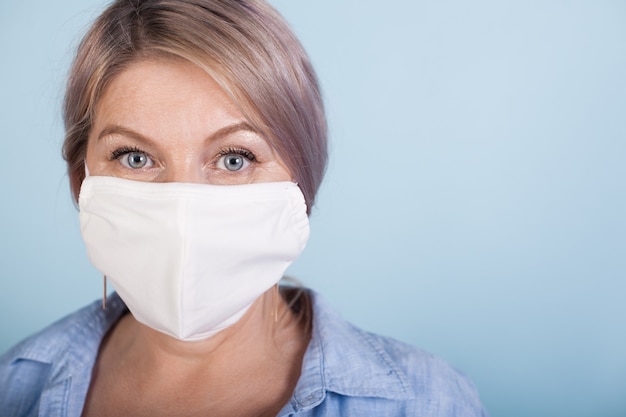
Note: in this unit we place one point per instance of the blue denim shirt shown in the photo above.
(346, 371)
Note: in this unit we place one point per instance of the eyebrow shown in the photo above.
(224, 131)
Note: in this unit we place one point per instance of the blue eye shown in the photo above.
(235, 159)
(136, 160)
(132, 158)
(233, 162)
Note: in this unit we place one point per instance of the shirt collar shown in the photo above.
(340, 357)
(345, 360)
(67, 349)
(76, 333)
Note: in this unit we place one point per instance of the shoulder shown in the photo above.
(65, 349)
(367, 374)
(439, 388)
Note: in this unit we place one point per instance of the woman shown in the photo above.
(195, 144)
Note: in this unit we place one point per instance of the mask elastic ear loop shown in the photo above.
(275, 297)
(104, 292)
(86, 168)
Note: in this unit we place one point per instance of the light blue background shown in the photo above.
(474, 204)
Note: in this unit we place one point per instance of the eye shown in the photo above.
(235, 159)
(132, 158)
(233, 162)
(135, 160)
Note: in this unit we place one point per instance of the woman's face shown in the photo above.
(168, 121)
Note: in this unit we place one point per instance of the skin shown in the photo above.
(166, 120)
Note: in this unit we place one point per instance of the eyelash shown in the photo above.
(119, 152)
(238, 151)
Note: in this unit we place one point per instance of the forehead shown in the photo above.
(164, 87)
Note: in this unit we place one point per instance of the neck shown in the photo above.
(248, 369)
(267, 331)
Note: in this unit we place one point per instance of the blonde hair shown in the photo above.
(245, 45)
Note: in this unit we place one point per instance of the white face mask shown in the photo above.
(189, 259)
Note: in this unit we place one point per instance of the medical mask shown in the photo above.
(190, 259)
